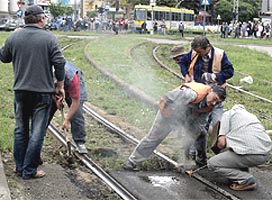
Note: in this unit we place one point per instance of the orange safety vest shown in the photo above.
(201, 91)
(199, 88)
(216, 65)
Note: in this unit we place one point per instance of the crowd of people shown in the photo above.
(248, 29)
(88, 24)
(190, 110)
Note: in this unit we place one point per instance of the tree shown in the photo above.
(224, 8)
(59, 9)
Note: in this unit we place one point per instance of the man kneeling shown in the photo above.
(245, 144)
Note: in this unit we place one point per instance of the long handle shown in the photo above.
(67, 138)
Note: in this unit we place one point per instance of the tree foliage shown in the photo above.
(60, 10)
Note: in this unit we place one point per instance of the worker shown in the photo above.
(75, 95)
(245, 143)
(185, 110)
(209, 65)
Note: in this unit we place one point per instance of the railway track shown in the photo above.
(90, 164)
(125, 193)
(237, 88)
(233, 87)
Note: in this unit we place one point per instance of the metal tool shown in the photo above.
(191, 172)
(66, 134)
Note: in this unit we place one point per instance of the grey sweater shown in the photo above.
(33, 52)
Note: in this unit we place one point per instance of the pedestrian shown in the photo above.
(33, 52)
(181, 28)
(176, 52)
(163, 27)
(209, 65)
(75, 96)
(245, 144)
(184, 110)
(155, 26)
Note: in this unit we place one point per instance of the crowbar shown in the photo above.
(66, 134)
(190, 172)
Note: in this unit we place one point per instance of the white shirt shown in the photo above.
(244, 132)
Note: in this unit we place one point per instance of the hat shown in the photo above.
(177, 51)
(34, 10)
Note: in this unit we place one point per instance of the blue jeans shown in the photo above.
(77, 121)
(31, 114)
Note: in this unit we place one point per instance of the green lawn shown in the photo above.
(137, 67)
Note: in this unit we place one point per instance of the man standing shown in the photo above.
(33, 52)
(181, 28)
(209, 65)
(246, 144)
(185, 110)
(75, 95)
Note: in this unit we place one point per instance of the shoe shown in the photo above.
(245, 169)
(246, 185)
(39, 174)
(81, 148)
(40, 161)
(201, 162)
(131, 166)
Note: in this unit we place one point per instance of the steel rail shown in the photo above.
(229, 85)
(135, 141)
(109, 180)
(122, 133)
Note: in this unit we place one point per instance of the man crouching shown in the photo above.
(245, 143)
(185, 110)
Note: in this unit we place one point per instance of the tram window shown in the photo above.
(140, 14)
(167, 16)
(176, 16)
(188, 17)
(156, 15)
(160, 15)
(149, 15)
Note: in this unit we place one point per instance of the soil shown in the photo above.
(65, 179)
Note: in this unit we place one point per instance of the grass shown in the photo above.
(139, 70)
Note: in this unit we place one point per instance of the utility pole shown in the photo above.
(235, 12)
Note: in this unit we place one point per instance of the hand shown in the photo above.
(58, 102)
(59, 90)
(208, 77)
(187, 78)
(221, 142)
(65, 125)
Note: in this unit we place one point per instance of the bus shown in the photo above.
(171, 16)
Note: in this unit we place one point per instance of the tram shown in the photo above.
(171, 16)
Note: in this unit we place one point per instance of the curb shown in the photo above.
(4, 189)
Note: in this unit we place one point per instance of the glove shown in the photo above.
(208, 77)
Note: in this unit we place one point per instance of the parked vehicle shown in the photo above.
(3, 24)
(12, 24)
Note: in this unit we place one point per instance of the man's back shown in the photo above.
(32, 51)
(244, 132)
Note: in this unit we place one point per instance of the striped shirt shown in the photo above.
(244, 132)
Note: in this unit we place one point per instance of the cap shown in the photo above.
(177, 51)
(34, 10)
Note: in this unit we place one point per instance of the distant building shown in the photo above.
(267, 6)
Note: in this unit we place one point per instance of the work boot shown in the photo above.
(81, 148)
(131, 166)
